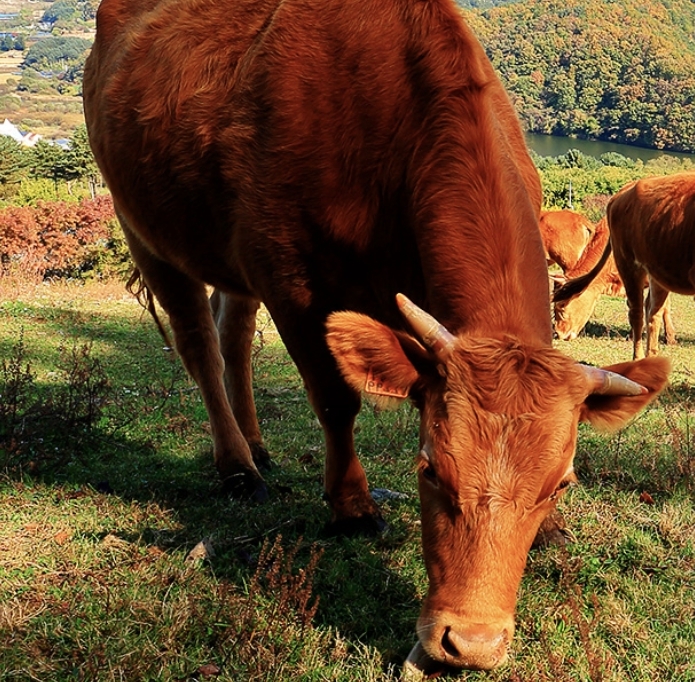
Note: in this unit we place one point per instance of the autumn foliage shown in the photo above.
(60, 239)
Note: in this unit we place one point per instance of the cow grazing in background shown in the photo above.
(571, 315)
(565, 235)
(322, 156)
(652, 239)
(576, 244)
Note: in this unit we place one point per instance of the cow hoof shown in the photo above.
(246, 485)
(261, 457)
(370, 525)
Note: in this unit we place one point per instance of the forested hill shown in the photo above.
(619, 70)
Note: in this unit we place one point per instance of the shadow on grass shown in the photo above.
(149, 446)
(599, 330)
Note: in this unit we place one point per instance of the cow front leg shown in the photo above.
(336, 405)
(634, 290)
(235, 318)
(186, 303)
(655, 303)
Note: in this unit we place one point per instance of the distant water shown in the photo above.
(550, 145)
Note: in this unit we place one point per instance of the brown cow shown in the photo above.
(565, 236)
(323, 156)
(651, 223)
(572, 314)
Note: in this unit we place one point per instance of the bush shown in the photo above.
(57, 239)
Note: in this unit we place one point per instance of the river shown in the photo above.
(549, 145)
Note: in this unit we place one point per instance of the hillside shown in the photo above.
(620, 70)
(615, 70)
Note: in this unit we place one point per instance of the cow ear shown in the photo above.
(611, 412)
(372, 357)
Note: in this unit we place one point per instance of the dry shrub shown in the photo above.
(599, 663)
(271, 624)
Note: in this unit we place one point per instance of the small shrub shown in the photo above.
(39, 423)
(269, 626)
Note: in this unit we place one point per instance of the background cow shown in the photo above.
(322, 156)
(572, 314)
(565, 236)
(652, 233)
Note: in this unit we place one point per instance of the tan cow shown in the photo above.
(651, 223)
(322, 156)
(566, 235)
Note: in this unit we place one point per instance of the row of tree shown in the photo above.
(12, 41)
(65, 13)
(45, 160)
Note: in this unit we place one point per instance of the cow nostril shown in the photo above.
(477, 649)
(448, 645)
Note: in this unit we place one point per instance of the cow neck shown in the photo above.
(480, 249)
(473, 191)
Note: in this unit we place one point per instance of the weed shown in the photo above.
(43, 423)
(273, 619)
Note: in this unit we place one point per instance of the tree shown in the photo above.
(56, 50)
(61, 9)
(14, 161)
(78, 161)
(47, 161)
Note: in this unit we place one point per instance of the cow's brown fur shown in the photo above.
(322, 156)
(566, 236)
(651, 222)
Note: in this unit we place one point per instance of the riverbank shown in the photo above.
(551, 145)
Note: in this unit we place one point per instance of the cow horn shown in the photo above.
(605, 382)
(433, 334)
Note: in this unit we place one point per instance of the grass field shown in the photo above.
(9, 65)
(107, 485)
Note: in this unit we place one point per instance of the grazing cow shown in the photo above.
(651, 223)
(565, 235)
(573, 313)
(322, 156)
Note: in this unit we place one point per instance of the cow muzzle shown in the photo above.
(448, 643)
(565, 334)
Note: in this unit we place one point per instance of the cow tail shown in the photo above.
(137, 286)
(576, 286)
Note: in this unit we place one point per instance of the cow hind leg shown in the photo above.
(186, 303)
(235, 318)
(669, 328)
(336, 406)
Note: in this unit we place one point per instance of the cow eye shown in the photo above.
(428, 473)
(560, 490)
(426, 468)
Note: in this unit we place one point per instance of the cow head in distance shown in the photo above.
(497, 441)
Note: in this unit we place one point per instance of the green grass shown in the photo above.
(100, 508)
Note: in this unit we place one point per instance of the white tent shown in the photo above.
(10, 130)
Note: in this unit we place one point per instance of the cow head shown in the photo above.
(572, 314)
(497, 441)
